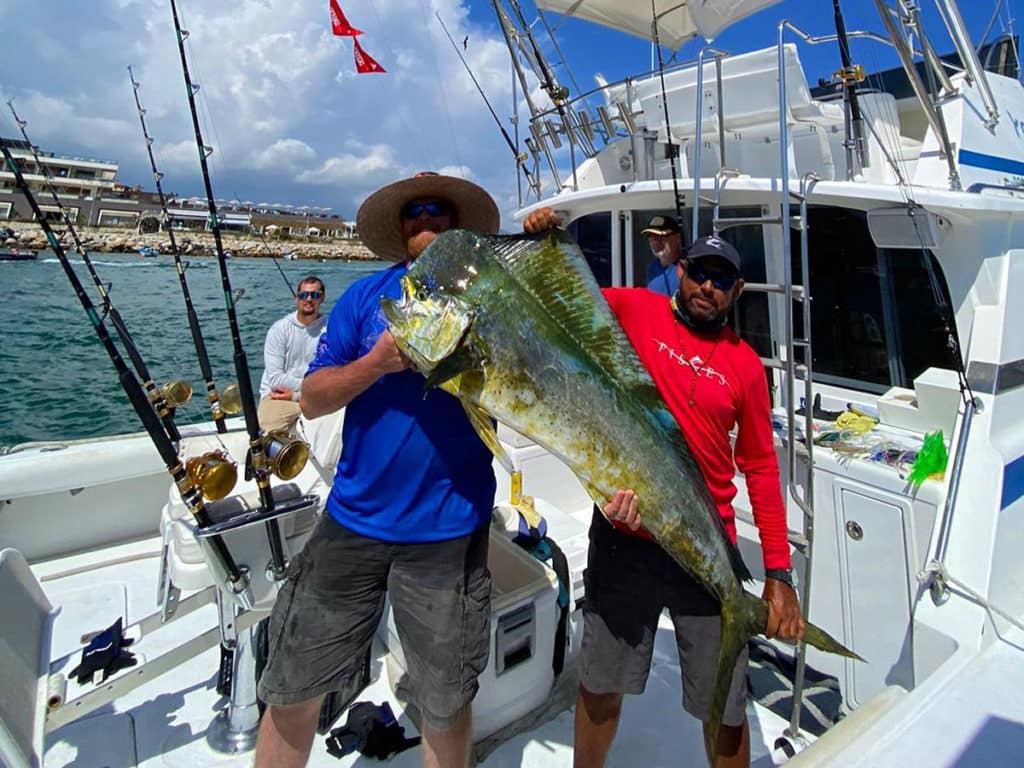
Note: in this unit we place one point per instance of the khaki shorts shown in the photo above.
(277, 414)
(323, 622)
(629, 581)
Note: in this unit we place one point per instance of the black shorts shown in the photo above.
(325, 616)
(629, 581)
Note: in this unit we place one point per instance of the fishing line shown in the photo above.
(672, 151)
(519, 157)
(154, 394)
(193, 318)
(444, 95)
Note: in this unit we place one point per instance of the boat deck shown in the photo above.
(163, 722)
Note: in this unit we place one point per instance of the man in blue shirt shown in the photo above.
(665, 240)
(408, 514)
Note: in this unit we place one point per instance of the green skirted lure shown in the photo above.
(931, 459)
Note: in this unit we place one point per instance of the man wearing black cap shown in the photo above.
(666, 243)
(712, 382)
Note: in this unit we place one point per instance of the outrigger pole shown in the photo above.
(193, 318)
(519, 156)
(155, 395)
(237, 582)
(257, 453)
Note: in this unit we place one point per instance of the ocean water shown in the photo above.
(58, 380)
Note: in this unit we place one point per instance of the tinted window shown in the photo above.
(594, 235)
(875, 319)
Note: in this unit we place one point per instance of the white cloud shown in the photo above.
(279, 100)
(283, 154)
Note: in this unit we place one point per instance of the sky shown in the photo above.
(290, 120)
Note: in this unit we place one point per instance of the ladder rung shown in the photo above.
(798, 540)
(798, 290)
(781, 365)
(740, 221)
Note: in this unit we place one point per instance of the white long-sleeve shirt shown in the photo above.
(287, 352)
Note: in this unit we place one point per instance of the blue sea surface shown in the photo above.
(59, 381)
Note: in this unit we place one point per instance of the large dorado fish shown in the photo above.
(516, 328)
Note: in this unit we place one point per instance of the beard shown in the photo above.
(418, 243)
(663, 255)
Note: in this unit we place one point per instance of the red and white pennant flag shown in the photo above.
(364, 62)
(339, 24)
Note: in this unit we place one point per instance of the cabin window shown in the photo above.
(875, 318)
(750, 316)
(593, 233)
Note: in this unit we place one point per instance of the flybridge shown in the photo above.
(654, 125)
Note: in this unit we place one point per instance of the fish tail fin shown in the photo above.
(823, 641)
(743, 617)
(739, 619)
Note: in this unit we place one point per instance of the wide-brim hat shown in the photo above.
(379, 220)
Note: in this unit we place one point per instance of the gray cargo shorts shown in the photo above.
(629, 581)
(326, 613)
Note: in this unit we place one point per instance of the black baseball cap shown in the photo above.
(661, 225)
(713, 245)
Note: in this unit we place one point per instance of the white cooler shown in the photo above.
(524, 616)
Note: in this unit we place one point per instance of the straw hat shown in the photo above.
(379, 219)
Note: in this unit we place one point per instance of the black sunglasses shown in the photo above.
(723, 281)
(432, 209)
(309, 295)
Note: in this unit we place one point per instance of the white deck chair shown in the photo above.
(24, 662)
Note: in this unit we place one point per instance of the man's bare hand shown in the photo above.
(784, 618)
(282, 393)
(624, 508)
(541, 220)
(386, 357)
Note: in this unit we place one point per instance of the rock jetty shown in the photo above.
(107, 240)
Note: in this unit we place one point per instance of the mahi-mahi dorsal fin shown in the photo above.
(551, 268)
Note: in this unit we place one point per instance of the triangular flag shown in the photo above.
(339, 24)
(364, 62)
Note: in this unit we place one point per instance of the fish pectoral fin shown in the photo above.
(462, 360)
(481, 422)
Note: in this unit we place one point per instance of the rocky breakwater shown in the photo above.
(198, 244)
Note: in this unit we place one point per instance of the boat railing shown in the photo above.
(576, 124)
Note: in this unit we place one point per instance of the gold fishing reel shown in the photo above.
(286, 454)
(176, 392)
(231, 399)
(213, 473)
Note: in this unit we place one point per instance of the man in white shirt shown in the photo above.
(290, 346)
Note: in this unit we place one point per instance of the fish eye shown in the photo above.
(421, 295)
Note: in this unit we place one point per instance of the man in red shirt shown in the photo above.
(711, 381)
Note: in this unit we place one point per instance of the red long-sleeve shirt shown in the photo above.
(728, 387)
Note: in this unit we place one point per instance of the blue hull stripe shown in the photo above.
(990, 162)
(1013, 482)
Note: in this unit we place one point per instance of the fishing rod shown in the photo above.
(558, 94)
(672, 152)
(849, 76)
(183, 480)
(287, 455)
(161, 399)
(519, 156)
(190, 310)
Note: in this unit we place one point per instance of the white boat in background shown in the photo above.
(882, 269)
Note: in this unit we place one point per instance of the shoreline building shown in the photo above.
(89, 190)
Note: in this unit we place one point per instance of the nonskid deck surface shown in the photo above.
(163, 723)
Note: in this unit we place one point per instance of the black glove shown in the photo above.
(107, 653)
